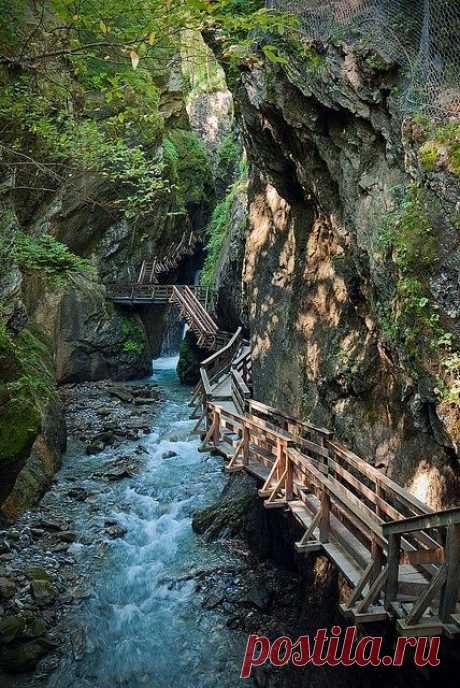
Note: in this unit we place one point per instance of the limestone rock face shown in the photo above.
(327, 151)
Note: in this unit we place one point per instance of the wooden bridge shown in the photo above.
(400, 559)
(151, 269)
(192, 303)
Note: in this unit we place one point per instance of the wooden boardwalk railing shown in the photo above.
(401, 560)
(150, 269)
(192, 303)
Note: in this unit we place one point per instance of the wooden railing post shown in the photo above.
(392, 585)
(449, 592)
(377, 558)
(325, 516)
(289, 474)
(246, 440)
(216, 436)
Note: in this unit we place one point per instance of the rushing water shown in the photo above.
(144, 623)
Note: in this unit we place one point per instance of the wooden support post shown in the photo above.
(449, 593)
(392, 585)
(246, 439)
(289, 475)
(216, 436)
(377, 559)
(427, 596)
(324, 520)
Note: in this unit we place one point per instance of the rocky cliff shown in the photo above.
(64, 237)
(351, 258)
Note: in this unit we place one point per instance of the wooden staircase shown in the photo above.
(401, 561)
(152, 269)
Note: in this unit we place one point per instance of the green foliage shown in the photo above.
(46, 256)
(410, 319)
(188, 162)
(217, 232)
(200, 68)
(134, 337)
(442, 146)
(408, 230)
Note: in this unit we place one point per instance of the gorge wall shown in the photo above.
(128, 182)
(350, 274)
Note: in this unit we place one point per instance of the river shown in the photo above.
(143, 623)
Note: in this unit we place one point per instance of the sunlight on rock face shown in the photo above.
(268, 213)
(427, 485)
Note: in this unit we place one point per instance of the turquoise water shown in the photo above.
(144, 624)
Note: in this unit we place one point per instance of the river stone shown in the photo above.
(51, 524)
(7, 588)
(43, 592)
(104, 411)
(257, 595)
(94, 448)
(67, 536)
(121, 393)
(38, 573)
(78, 493)
(168, 454)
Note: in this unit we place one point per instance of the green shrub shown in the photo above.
(47, 256)
(134, 337)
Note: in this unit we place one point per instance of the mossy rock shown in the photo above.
(21, 627)
(190, 357)
(229, 516)
(19, 658)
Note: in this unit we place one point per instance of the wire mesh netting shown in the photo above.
(423, 36)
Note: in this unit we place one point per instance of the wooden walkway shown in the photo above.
(400, 559)
(191, 302)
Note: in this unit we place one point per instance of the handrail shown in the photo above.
(438, 519)
(377, 533)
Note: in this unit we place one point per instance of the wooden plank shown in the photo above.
(449, 593)
(439, 519)
(427, 596)
(347, 567)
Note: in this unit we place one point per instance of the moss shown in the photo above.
(428, 156)
(24, 397)
(311, 59)
(190, 357)
(229, 516)
(217, 232)
(189, 166)
(134, 341)
(377, 63)
(442, 140)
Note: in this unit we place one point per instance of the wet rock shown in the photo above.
(4, 546)
(257, 595)
(52, 524)
(21, 627)
(120, 393)
(78, 493)
(25, 656)
(38, 573)
(104, 411)
(116, 531)
(67, 536)
(44, 592)
(37, 532)
(168, 455)
(107, 437)
(213, 600)
(94, 447)
(7, 588)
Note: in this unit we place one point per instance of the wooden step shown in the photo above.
(344, 562)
